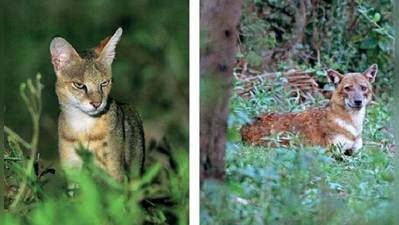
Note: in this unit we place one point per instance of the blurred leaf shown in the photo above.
(240, 55)
(377, 17)
(369, 43)
(253, 59)
(384, 45)
(321, 73)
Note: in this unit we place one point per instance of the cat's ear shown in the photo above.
(62, 53)
(106, 49)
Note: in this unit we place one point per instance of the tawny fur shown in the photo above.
(112, 131)
(340, 122)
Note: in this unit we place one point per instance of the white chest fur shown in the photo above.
(358, 118)
(79, 121)
(355, 128)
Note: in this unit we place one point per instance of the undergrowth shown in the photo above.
(299, 184)
(159, 196)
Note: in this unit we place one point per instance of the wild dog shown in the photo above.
(339, 122)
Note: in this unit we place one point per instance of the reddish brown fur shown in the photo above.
(319, 126)
(99, 48)
(315, 124)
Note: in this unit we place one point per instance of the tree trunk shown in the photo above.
(219, 25)
(302, 9)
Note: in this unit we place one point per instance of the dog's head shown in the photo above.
(352, 90)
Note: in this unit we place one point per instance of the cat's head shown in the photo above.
(84, 79)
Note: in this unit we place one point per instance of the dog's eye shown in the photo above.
(363, 88)
(347, 88)
(104, 84)
(79, 85)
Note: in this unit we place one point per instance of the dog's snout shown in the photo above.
(358, 102)
(357, 99)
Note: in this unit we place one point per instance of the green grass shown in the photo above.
(160, 196)
(303, 185)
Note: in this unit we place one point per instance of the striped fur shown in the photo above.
(89, 117)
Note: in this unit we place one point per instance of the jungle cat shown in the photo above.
(339, 122)
(112, 131)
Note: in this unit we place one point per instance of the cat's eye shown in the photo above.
(363, 88)
(347, 88)
(104, 84)
(78, 85)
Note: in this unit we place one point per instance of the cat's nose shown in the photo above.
(95, 104)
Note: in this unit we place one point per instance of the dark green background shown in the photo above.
(150, 69)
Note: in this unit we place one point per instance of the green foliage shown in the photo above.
(24, 168)
(159, 196)
(150, 73)
(299, 184)
(344, 35)
(150, 69)
(101, 200)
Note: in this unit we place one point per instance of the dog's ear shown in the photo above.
(334, 77)
(371, 72)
